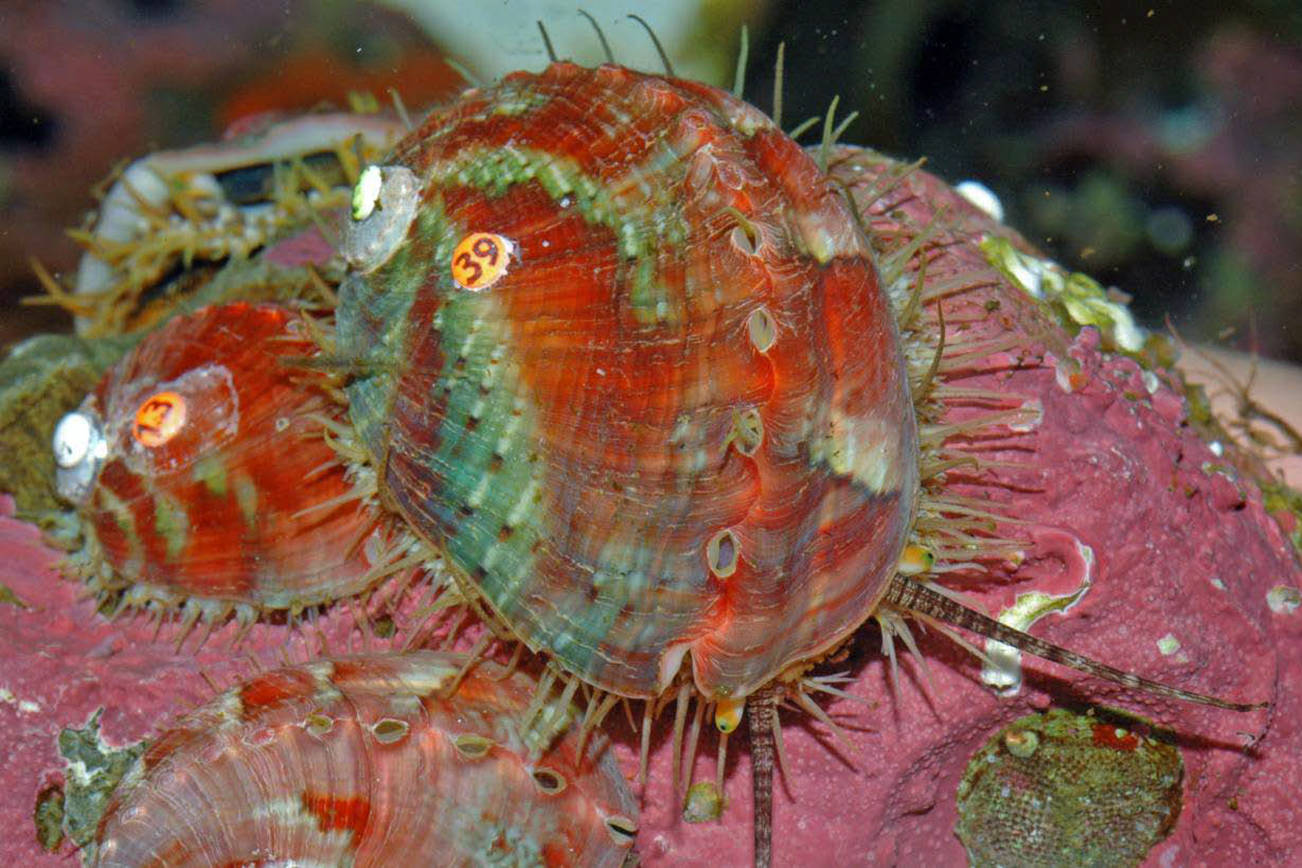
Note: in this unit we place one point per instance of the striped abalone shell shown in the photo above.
(206, 479)
(677, 422)
(363, 761)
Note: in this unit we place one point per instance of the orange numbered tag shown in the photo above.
(159, 419)
(480, 260)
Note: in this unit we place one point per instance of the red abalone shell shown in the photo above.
(364, 761)
(677, 422)
(201, 470)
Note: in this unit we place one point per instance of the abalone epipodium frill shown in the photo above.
(242, 502)
(363, 761)
(679, 420)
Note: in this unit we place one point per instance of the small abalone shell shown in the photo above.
(629, 366)
(201, 470)
(363, 761)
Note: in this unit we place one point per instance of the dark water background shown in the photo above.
(1156, 146)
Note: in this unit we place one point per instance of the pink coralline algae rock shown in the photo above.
(1167, 546)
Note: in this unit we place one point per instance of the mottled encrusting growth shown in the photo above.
(40, 380)
(1068, 789)
(366, 761)
(200, 466)
(627, 364)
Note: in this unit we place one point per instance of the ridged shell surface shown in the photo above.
(669, 412)
(362, 761)
(213, 471)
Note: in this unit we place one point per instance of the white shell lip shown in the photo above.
(79, 451)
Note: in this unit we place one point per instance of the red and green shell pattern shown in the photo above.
(624, 359)
(199, 466)
(365, 761)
